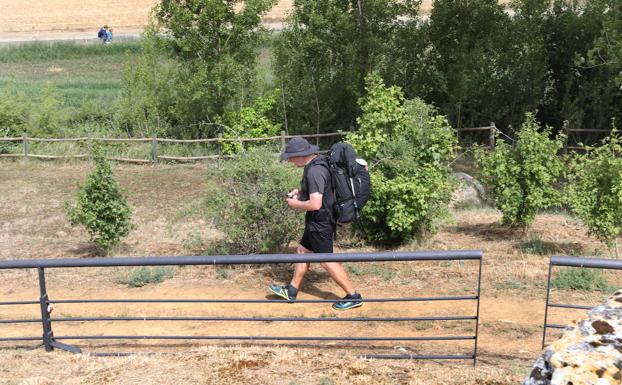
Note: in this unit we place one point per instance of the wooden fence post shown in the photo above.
(154, 148)
(25, 141)
(565, 127)
(283, 141)
(491, 138)
(89, 145)
(219, 145)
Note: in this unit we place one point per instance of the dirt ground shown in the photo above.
(167, 201)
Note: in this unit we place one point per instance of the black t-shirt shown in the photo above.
(316, 178)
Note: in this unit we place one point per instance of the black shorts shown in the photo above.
(317, 241)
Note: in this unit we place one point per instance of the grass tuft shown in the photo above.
(581, 279)
(145, 275)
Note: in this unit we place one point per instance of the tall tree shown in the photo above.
(215, 43)
(325, 51)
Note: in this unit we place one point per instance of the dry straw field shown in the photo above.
(39, 19)
(168, 201)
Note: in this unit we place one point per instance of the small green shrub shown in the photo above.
(522, 180)
(595, 189)
(50, 113)
(251, 122)
(245, 201)
(581, 279)
(536, 245)
(101, 207)
(145, 275)
(13, 112)
(222, 273)
(409, 148)
(354, 270)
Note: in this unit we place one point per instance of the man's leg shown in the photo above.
(339, 275)
(300, 269)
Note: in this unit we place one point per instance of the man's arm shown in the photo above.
(313, 204)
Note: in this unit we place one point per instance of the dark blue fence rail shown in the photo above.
(50, 341)
(564, 261)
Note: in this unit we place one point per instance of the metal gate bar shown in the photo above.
(565, 261)
(50, 341)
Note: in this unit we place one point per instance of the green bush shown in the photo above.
(595, 190)
(101, 207)
(522, 179)
(50, 114)
(251, 122)
(409, 148)
(581, 279)
(245, 201)
(13, 111)
(144, 275)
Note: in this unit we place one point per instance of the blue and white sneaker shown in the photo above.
(281, 291)
(349, 302)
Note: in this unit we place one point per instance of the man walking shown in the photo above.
(316, 199)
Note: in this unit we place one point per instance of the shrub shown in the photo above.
(50, 114)
(101, 207)
(595, 190)
(13, 112)
(409, 147)
(251, 122)
(522, 179)
(144, 275)
(245, 201)
(581, 279)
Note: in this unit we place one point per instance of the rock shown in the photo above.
(589, 352)
(470, 191)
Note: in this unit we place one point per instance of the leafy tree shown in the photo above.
(326, 50)
(101, 207)
(596, 189)
(522, 180)
(467, 40)
(409, 148)
(213, 44)
(583, 72)
(146, 89)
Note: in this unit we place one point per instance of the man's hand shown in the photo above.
(313, 204)
(293, 194)
(293, 202)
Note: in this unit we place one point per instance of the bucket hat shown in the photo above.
(298, 146)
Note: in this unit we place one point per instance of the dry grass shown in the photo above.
(244, 365)
(166, 196)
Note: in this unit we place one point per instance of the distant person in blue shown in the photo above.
(105, 34)
(108, 36)
(101, 34)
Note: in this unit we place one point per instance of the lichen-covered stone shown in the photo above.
(588, 353)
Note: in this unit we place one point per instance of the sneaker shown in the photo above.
(281, 291)
(350, 302)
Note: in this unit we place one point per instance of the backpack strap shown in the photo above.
(322, 160)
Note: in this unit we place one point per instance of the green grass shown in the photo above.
(581, 279)
(145, 275)
(47, 51)
(537, 246)
(383, 272)
(80, 72)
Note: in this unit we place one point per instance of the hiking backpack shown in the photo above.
(351, 183)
